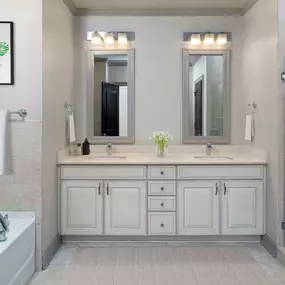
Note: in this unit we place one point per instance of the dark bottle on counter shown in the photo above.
(86, 147)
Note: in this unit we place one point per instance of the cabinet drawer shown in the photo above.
(161, 203)
(103, 172)
(220, 172)
(161, 188)
(161, 172)
(161, 224)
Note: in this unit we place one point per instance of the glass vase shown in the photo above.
(160, 151)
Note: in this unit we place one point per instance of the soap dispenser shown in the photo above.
(86, 147)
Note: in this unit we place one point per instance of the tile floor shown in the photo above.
(248, 264)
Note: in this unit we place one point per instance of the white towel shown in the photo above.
(249, 128)
(4, 151)
(71, 128)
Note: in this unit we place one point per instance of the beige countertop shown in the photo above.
(177, 156)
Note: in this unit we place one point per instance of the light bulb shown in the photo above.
(222, 39)
(109, 39)
(195, 39)
(122, 38)
(209, 39)
(96, 39)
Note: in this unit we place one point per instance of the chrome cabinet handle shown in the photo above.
(217, 189)
(162, 188)
(162, 205)
(108, 189)
(162, 225)
(161, 173)
(225, 189)
(99, 189)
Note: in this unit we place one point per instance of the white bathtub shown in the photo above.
(17, 253)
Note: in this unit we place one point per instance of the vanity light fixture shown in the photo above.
(195, 39)
(96, 39)
(109, 39)
(222, 39)
(122, 39)
(209, 39)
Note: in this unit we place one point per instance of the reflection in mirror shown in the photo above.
(110, 95)
(110, 106)
(206, 83)
(205, 91)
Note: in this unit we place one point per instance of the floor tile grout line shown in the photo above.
(155, 267)
(174, 265)
(194, 266)
(72, 281)
(214, 267)
(253, 269)
(237, 273)
(97, 269)
(117, 266)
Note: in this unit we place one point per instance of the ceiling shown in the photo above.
(232, 6)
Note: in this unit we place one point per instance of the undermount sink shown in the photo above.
(109, 157)
(212, 157)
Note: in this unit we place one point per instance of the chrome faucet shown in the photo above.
(4, 227)
(109, 148)
(209, 148)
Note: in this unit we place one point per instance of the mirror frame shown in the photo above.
(187, 102)
(130, 139)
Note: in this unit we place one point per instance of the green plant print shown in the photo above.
(4, 48)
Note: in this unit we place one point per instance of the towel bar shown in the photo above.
(22, 113)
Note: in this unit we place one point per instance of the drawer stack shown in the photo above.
(161, 200)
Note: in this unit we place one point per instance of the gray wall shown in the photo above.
(57, 87)
(158, 70)
(21, 190)
(261, 84)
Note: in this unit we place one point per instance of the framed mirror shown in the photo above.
(111, 97)
(206, 96)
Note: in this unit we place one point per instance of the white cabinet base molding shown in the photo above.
(211, 201)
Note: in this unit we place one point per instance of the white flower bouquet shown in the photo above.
(161, 140)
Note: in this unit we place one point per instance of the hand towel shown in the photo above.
(249, 128)
(4, 150)
(71, 128)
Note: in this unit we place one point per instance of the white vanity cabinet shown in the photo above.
(198, 208)
(81, 208)
(125, 208)
(242, 207)
(167, 200)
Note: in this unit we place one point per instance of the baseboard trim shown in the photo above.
(51, 251)
(281, 255)
(269, 245)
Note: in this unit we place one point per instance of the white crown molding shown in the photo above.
(70, 5)
(248, 5)
(157, 12)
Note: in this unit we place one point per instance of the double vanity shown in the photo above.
(128, 194)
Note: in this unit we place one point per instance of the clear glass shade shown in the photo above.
(195, 39)
(209, 39)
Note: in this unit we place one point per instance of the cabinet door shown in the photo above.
(125, 208)
(198, 208)
(81, 208)
(242, 207)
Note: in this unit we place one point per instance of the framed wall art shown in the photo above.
(6, 53)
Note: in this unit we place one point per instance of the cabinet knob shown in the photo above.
(162, 188)
(162, 225)
(161, 172)
(162, 205)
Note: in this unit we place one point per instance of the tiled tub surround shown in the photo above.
(174, 196)
(22, 189)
